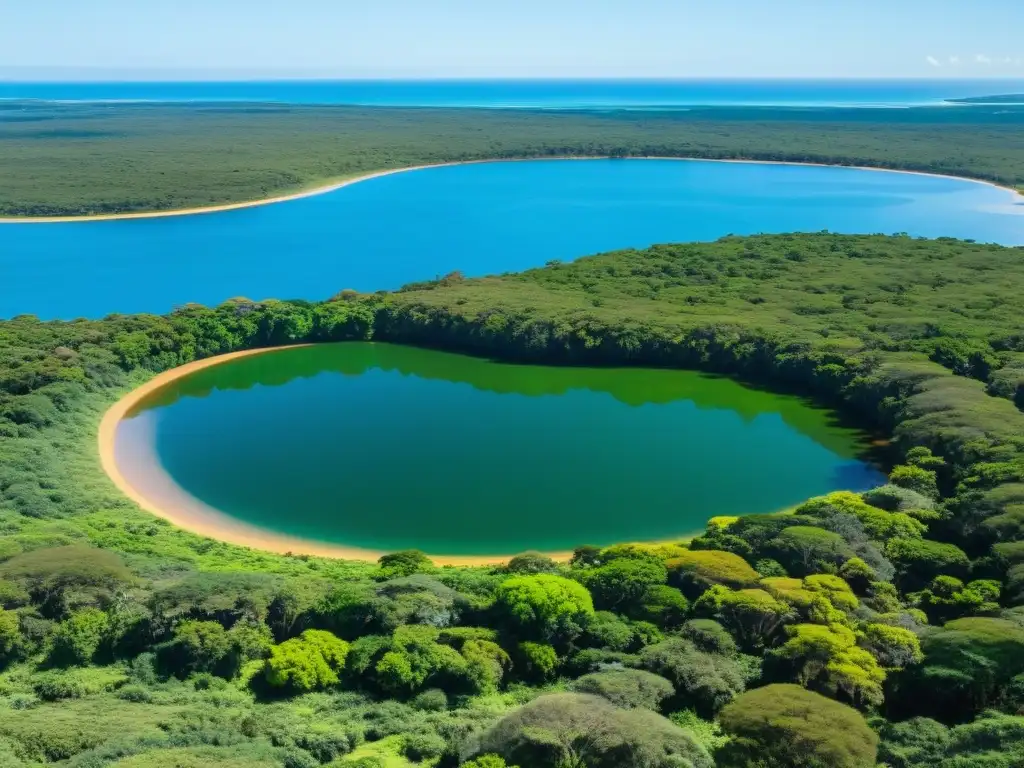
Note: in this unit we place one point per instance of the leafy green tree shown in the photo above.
(532, 562)
(858, 575)
(827, 659)
(544, 606)
(416, 660)
(785, 726)
(404, 563)
(805, 549)
(948, 598)
(915, 478)
(918, 561)
(77, 639)
(488, 761)
(662, 605)
(753, 616)
(10, 635)
(487, 663)
(307, 662)
(539, 661)
(626, 688)
(893, 498)
(606, 630)
(709, 636)
(695, 572)
(572, 729)
(623, 583)
(893, 647)
(703, 681)
(197, 646)
(61, 579)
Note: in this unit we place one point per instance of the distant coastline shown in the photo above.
(332, 186)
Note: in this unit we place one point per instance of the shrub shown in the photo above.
(622, 583)
(532, 563)
(805, 549)
(915, 479)
(753, 616)
(307, 662)
(539, 661)
(703, 681)
(785, 726)
(663, 606)
(918, 561)
(431, 700)
(694, 572)
(77, 639)
(404, 563)
(709, 636)
(895, 498)
(423, 746)
(626, 688)
(576, 729)
(544, 606)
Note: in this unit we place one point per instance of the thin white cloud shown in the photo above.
(981, 58)
(954, 61)
(933, 61)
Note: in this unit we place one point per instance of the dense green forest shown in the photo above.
(883, 628)
(70, 159)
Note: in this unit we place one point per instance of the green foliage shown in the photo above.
(544, 606)
(62, 578)
(704, 682)
(10, 635)
(753, 616)
(918, 561)
(661, 605)
(892, 647)
(804, 549)
(404, 563)
(77, 638)
(487, 761)
(571, 729)
(948, 598)
(827, 659)
(307, 662)
(916, 479)
(532, 562)
(626, 688)
(708, 635)
(784, 726)
(694, 572)
(539, 661)
(623, 582)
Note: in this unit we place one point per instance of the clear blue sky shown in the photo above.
(512, 38)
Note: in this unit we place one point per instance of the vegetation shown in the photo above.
(75, 159)
(861, 627)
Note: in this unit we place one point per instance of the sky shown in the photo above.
(210, 39)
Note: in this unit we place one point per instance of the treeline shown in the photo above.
(93, 158)
(863, 628)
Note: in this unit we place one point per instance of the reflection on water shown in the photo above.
(383, 446)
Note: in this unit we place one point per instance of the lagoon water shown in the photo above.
(478, 219)
(384, 447)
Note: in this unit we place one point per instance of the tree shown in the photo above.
(893, 647)
(663, 606)
(486, 664)
(918, 561)
(626, 688)
(307, 662)
(544, 606)
(703, 681)
(404, 563)
(827, 658)
(753, 616)
(894, 498)
(571, 729)
(77, 638)
(532, 562)
(197, 646)
(785, 726)
(10, 635)
(539, 661)
(917, 479)
(488, 761)
(694, 572)
(805, 549)
(948, 598)
(61, 579)
(622, 583)
(709, 636)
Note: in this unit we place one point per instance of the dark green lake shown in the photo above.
(386, 447)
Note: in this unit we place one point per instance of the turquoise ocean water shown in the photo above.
(549, 94)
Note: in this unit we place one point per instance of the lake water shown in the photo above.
(385, 447)
(544, 94)
(479, 219)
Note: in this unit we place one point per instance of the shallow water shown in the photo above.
(384, 447)
(478, 219)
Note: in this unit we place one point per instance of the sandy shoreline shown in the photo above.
(348, 181)
(184, 511)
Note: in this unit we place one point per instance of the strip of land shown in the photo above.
(72, 160)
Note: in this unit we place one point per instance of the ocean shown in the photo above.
(533, 94)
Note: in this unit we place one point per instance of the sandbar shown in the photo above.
(349, 180)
